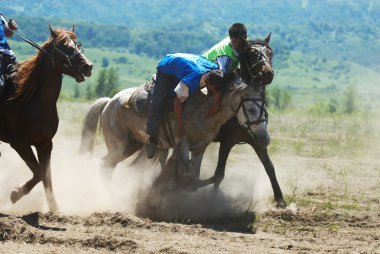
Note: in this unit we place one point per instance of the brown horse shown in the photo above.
(29, 113)
(255, 69)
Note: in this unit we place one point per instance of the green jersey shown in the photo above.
(224, 55)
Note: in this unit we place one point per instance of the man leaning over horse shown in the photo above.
(183, 74)
(7, 56)
(226, 53)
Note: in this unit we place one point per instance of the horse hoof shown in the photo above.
(15, 196)
(281, 204)
(54, 209)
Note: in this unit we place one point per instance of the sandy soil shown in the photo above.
(334, 207)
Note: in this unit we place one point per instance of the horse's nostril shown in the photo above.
(87, 68)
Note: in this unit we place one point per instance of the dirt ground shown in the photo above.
(334, 207)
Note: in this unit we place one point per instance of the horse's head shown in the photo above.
(67, 54)
(256, 62)
(251, 112)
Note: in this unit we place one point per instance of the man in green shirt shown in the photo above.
(226, 53)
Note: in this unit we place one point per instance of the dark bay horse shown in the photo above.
(255, 69)
(28, 112)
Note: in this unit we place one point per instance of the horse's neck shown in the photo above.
(49, 84)
(200, 130)
(230, 103)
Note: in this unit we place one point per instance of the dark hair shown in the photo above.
(219, 80)
(238, 30)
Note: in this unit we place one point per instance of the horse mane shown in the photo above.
(28, 72)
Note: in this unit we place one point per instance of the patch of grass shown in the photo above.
(322, 136)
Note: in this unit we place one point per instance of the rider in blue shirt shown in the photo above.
(6, 54)
(183, 74)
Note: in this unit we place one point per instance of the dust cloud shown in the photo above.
(81, 189)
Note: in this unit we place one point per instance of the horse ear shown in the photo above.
(268, 38)
(73, 29)
(52, 31)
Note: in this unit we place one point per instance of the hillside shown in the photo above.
(324, 28)
(320, 47)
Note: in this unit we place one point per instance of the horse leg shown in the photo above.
(224, 150)
(26, 153)
(115, 156)
(44, 156)
(195, 168)
(269, 168)
(162, 157)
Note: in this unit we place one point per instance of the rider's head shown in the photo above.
(216, 80)
(238, 36)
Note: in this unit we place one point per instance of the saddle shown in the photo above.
(142, 97)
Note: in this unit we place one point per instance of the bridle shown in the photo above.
(66, 58)
(261, 58)
(263, 115)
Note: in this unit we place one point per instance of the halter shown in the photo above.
(263, 112)
(261, 58)
(67, 58)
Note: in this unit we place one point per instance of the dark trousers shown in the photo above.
(163, 91)
(5, 60)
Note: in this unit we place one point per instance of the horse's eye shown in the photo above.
(252, 110)
(78, 46)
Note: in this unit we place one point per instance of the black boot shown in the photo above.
(151, 147)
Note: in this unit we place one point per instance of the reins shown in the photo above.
(24, 37)
(68, 59)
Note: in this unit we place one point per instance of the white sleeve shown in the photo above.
(3, 21)
(182, 91)
(224, 63)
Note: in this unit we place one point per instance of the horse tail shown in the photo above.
(90, 125)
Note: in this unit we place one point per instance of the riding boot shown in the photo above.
(151, 147)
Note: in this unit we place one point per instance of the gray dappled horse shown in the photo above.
(124, 129)
(256, 70)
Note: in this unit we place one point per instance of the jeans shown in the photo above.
(163, 91)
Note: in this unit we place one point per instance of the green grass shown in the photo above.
(322, 136)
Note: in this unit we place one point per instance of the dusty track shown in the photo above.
(334, 207)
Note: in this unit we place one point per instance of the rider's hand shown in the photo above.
(12, 25)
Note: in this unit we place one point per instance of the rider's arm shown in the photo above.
(217, 103)
(225, 63)
(11, 26)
